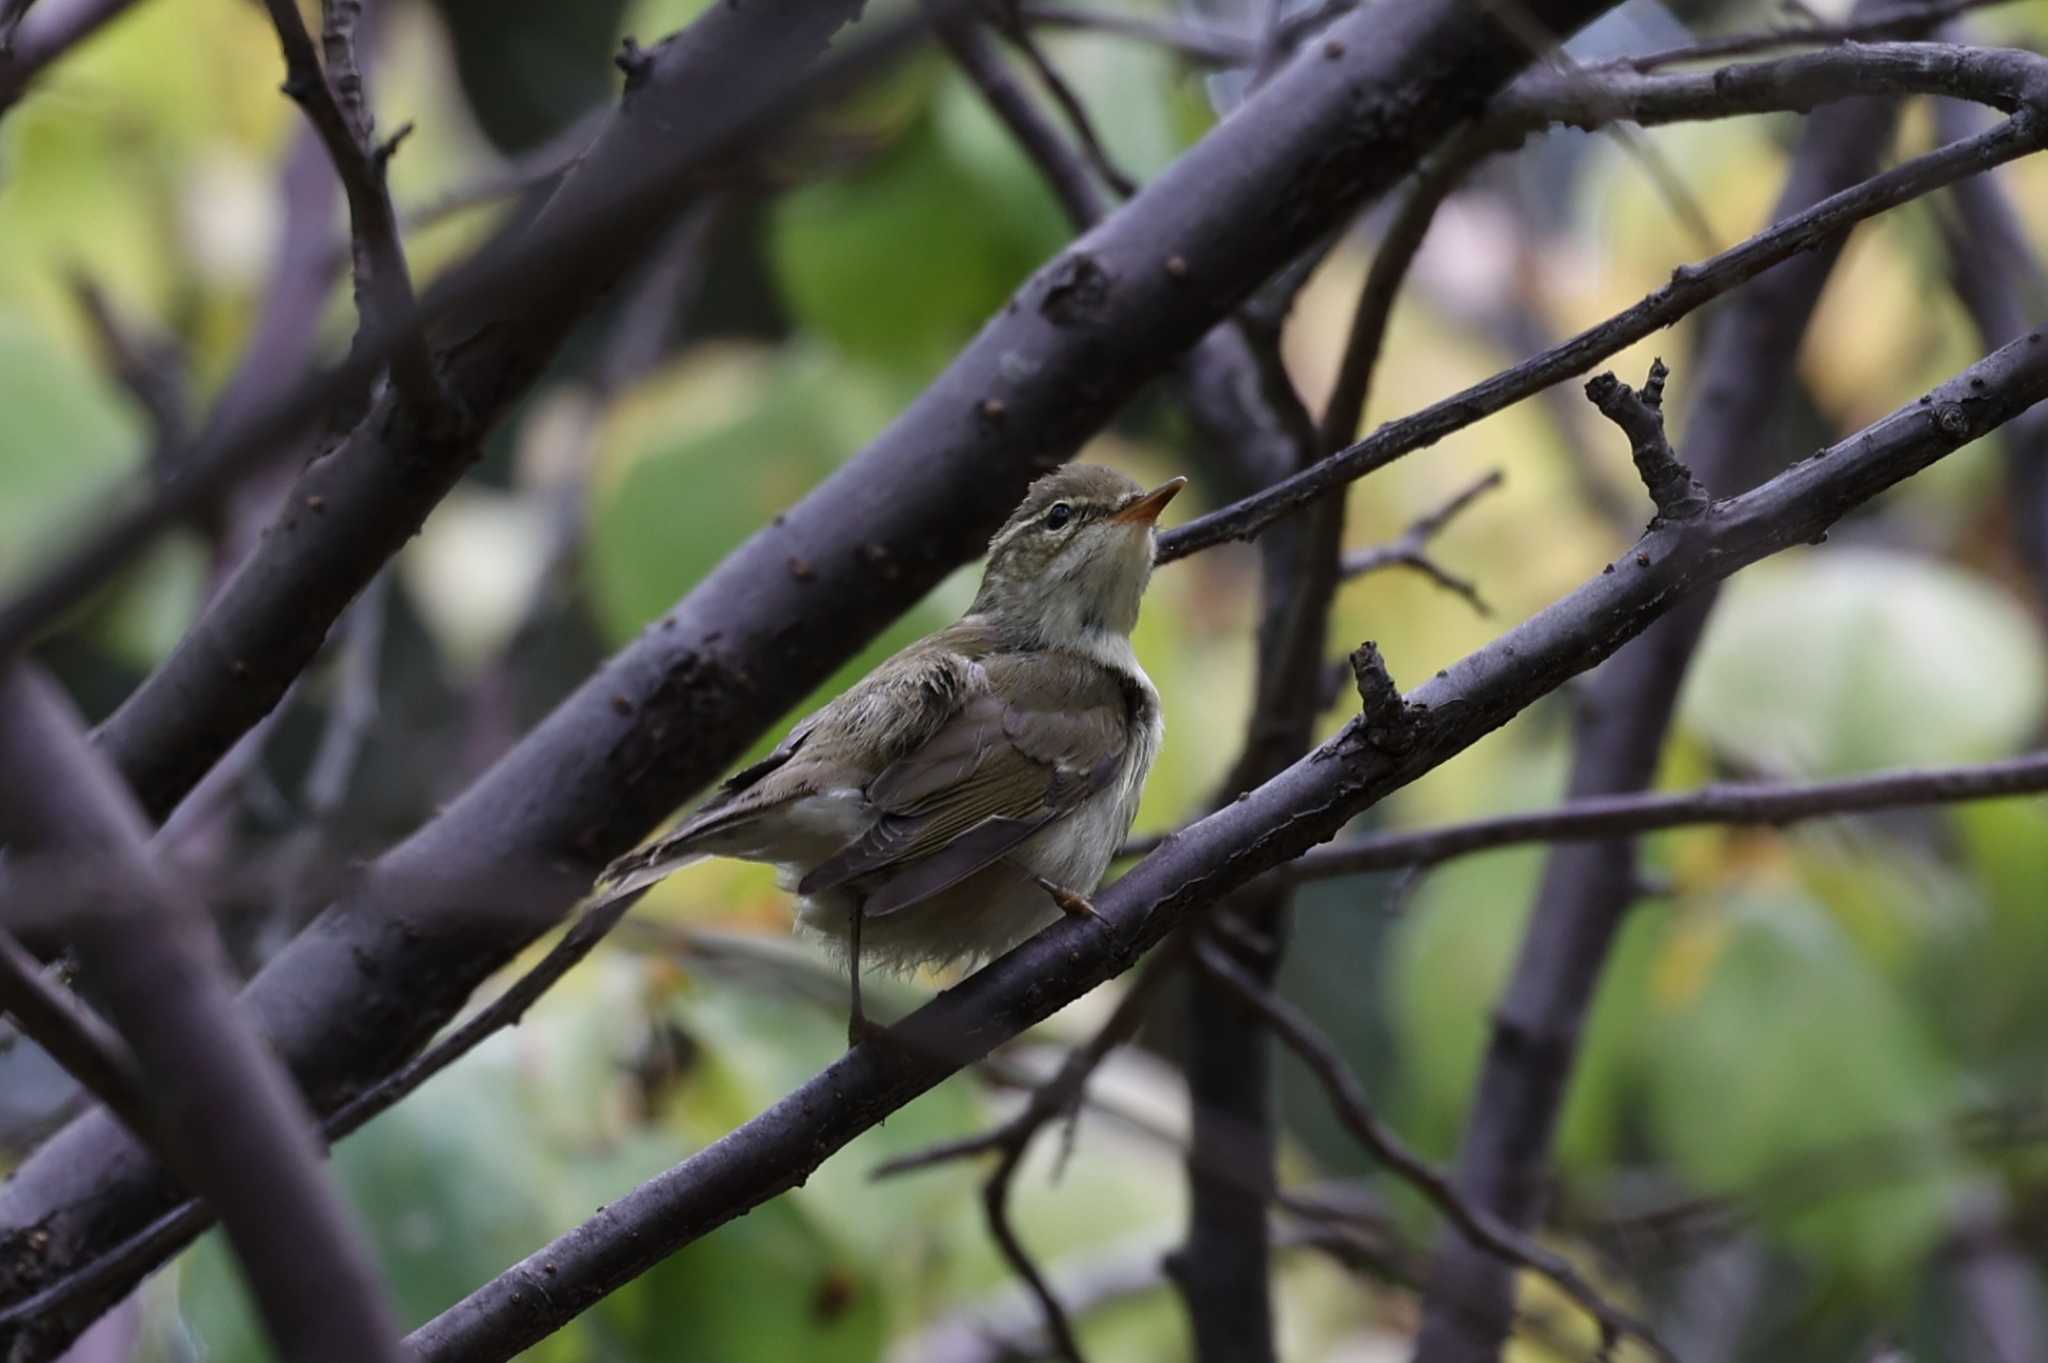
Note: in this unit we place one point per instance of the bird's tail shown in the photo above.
(643, 866)
(709, 833)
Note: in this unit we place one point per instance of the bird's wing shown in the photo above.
(1020, 752)
(879, 713)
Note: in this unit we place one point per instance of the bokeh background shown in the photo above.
(1814, 1075)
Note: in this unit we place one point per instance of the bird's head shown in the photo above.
(1074, 558)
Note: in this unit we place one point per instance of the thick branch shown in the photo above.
(370, 982)
(223, 1109)
(1411, 549)
(1281, 819)
(359, 503)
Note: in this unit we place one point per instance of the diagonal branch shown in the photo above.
(1411, 550)
(74, 1035)
(1281, 819)
(1587, 888)
(46, 34)
(222, 1110)
(334, 105)
(1690, 287)
(691, 694)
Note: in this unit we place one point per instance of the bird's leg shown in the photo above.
(858, 1028)
(1072, 903)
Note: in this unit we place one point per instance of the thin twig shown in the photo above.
(74, 1035)
(151, 366)
(1618, 816)
(1391, 262)
(1690, 286)
(1900, 21)
(44, 36)
(1197, 42)
(1019, 35)
(333, 103)
(1064, 170)
(1048, 1103)
(1302, 1036)
(1640, 414)
(1411, 550)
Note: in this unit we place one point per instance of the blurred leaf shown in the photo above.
(67, 439)
(759, 1044)
(689, 492)
(1851, 659)
(1772, 1080)
(142, 615)
(1983, 980)
(1452, 957)
(900, 262)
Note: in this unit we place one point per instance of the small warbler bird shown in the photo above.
(963, 794)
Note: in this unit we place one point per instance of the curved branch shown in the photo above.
(383, 968)
(1600, 818)
(1748, 356)
(221, 1108)
(1281, 819)
(2004, 78)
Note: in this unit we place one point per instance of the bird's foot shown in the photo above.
(860, 1027)
(1073, 904)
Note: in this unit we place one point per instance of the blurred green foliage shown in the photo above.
(1797, 1022)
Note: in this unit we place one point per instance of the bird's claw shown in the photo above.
(1070, 903)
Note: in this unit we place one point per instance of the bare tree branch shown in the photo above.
(1870, 23)
(1411, 550)
(1996, 274)
(43, 36)
(611, 774)
(361, 502)
(626, 189)
(74, 1035)
(1606, 817)
(1279, 820)
(334, 103)
(1586, 888)
(224, 1111)
(1793, 82)
(1197, 42)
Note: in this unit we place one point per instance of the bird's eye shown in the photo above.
(1058, 517)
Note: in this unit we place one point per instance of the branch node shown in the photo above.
(634, 60)
(1390, 723)
(1678, 494)
(382, 152)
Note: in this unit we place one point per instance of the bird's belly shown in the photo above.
(990, 911)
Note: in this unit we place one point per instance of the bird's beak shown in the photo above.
(1146, 509)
